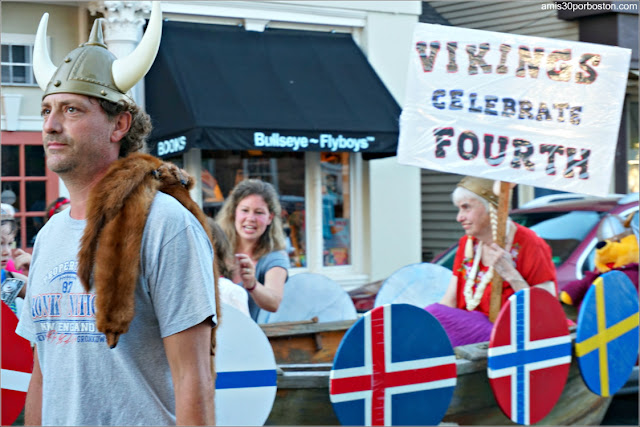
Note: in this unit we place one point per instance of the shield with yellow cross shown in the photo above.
(607, 334)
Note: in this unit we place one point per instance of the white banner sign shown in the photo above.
(529, 110)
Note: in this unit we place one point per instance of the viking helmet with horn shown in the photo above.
(91, 69)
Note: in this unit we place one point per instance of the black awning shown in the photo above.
(221, 87)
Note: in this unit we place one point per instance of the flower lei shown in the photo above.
(473, 298)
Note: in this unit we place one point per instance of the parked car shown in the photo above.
(568, 226)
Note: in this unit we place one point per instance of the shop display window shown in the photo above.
(336, 233)
(27, 184)
(222, 170)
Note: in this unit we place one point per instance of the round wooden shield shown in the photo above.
(17, 365)
(607, 334)
(416, 284)
(394, 366)
(309, 295)
(529, 355)
(246, 371)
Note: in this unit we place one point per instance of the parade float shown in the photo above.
(514, 109)
(305, 353)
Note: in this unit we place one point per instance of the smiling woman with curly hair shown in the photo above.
(250, 218)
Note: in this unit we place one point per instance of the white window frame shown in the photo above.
(28, 40)
(347, 275)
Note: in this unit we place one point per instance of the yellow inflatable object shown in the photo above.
(615, 254)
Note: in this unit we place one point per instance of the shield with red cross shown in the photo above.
(17, 364)
(607, 335)
(394, 366)
(529, 355)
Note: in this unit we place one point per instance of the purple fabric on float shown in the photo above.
(462, 326)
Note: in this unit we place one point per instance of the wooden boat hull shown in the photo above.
(304, 352)
(473, 401)
(302, 398)
(303, 388)
(305, 341)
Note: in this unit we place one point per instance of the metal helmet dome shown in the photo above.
(612, 228)
(91, 69)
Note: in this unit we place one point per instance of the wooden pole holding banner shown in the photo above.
(504, 201)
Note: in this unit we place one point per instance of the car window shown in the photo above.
(573, 225)
(565, 232)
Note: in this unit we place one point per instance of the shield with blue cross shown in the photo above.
(529, 355)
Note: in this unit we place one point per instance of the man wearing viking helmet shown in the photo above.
(122, 289)
(525, 261)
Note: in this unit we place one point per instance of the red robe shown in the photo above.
(533, 261)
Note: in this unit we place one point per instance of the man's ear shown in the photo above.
(122, 126)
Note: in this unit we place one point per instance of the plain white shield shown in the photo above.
(246, 371)
(416, 284)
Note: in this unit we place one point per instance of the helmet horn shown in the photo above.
(43, 67)
(129, 70)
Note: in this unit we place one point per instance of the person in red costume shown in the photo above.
(525, 261)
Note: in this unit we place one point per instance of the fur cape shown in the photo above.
(117, 211)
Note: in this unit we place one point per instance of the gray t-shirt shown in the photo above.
(266, 263)
(85, 382)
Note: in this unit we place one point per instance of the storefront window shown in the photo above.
(27, 184)
(336, 223)
(633, 173)
(222, 170)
